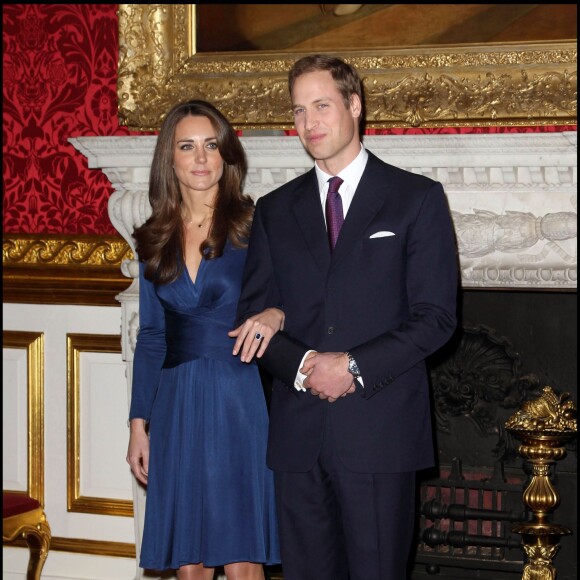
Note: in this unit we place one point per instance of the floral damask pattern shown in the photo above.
(59, 81)
(60, 70)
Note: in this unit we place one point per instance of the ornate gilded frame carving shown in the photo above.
(460, 85)
(63, 269)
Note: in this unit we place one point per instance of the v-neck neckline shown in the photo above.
(194, 281)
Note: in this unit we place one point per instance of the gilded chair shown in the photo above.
(23, 517)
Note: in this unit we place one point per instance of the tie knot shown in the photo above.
(334, 183)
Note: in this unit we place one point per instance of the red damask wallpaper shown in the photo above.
(59, 81)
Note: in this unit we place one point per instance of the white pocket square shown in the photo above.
(381, 235)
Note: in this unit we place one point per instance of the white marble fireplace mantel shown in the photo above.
(512, 195)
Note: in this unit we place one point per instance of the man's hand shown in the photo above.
(327, 375)
(253, 336)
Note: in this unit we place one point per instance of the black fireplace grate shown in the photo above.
(465, 521)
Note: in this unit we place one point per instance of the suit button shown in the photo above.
(376, 388)
(331, 330)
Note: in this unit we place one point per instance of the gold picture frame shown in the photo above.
(515, 84)
(33, 343)
(76, 344)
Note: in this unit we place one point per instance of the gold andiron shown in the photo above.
(543, 425)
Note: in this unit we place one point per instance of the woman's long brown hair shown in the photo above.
(160, 240)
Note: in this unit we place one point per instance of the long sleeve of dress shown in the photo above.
(150, 350)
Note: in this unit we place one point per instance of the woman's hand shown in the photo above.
(138, 452)
(254, 335)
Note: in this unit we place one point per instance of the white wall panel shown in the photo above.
(68, 566)
(103, 422)
(14, 419)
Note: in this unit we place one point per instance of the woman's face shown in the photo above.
(197, 161)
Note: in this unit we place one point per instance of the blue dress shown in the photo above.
(210, 496)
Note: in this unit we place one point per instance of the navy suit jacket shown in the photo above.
(389, 300)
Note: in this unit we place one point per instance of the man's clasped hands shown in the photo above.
(325, 374)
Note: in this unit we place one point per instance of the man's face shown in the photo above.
(326, 127)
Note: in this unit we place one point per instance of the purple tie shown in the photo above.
(334, 215)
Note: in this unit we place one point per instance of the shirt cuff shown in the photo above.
(299, 380)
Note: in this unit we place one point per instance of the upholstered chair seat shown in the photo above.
(23, 517)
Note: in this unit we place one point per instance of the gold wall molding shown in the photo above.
(63, 269)
(81, 546)
(76, 344)
(460, 85)
(33, 343)
(96, 547)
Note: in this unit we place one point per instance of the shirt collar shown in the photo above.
(351, 174)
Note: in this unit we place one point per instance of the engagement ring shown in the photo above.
(258, 336)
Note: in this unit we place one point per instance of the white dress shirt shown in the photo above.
(351, 176)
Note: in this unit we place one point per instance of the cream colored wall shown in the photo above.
(97, 391)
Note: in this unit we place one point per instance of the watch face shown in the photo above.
(353, 368)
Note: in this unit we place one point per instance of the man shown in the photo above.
(350, 416)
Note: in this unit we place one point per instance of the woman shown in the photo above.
(198, 414)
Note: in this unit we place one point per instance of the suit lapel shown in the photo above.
(308, 213)
(366, 203)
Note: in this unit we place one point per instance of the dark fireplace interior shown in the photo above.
(509, 346)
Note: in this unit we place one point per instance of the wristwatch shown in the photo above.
(352, 366)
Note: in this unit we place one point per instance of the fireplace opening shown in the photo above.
(510, 344)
